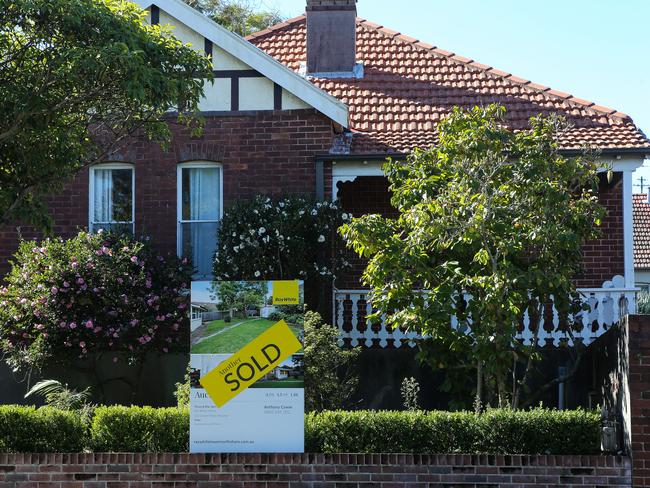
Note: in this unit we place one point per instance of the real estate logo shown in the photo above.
(250, 363)
(286, 293)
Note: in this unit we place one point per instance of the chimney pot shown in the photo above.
(331, 36)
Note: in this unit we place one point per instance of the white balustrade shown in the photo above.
(606, 306)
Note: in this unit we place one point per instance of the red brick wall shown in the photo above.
(307, 470)
(267, 152)
(603, 258)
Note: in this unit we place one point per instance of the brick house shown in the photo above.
(315, 105)
(641, 219)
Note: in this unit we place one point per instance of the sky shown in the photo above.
(598, 50)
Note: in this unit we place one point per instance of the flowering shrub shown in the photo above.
(290, 238)
(66, 299)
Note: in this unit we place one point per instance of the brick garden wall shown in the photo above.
(308, 470)
(635, 404)
(262, 152)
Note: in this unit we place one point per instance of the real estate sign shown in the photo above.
(247, 367)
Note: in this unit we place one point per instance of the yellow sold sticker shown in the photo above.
(286, 293)
(250, 363)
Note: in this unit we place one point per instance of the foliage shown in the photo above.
(538, 431)
(182, 392)
(140, 429)
(240, 16)
(643, 302)
(491, 223)
(330, 375)
(146, 429)
(68, 299)
(78, 78)
(274, 239)
(46, 429)
(410, 391)
(238, 296)
(60, 396)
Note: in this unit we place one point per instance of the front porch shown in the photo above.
(606, 306)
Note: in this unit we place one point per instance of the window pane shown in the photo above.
(201, 193)
(122, 195)
(199, 243)
(113, 199)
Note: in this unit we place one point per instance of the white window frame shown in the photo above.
(179, 197)
(91, 192)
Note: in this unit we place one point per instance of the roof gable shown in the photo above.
(255, 58)
(409, 86)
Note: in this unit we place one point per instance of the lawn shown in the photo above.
(233, 339)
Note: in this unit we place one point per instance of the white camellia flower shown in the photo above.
(257, 274)
(321, 238)
(261, 231)
(345, 216)
(314, 212)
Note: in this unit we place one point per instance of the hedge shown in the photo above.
(538, 431)
(140, 429)
(146, 429)
(46, 429)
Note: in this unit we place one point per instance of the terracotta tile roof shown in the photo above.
(409, 85)
(641, 219)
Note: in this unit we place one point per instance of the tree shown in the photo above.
(238, 296)
(240, 16)
(78, 79)
(490, 225)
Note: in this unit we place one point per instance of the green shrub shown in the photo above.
(331, 376)
(538, 431)
(140, 429)
(45, 429)
(146, 429)
(67, 299)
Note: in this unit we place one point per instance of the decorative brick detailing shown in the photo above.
(200, 151)
(308, 470)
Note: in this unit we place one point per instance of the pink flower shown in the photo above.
(134, 322)
(74, 264)
(120, 280)
(73, 325)
(40, 326)
(115, 359)
(165, 350)
(82, 344)
(66, 284)
(134, 259)
(89, 324)
(80, 281)
(99, 252)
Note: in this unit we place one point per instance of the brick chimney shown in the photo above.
(331, 36)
